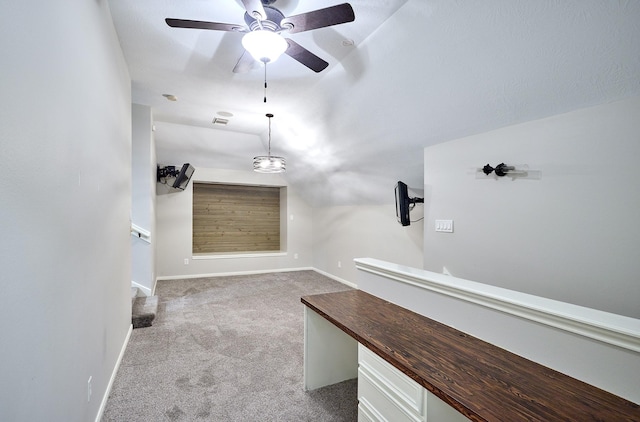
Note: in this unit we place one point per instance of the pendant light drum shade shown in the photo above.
(269, 163)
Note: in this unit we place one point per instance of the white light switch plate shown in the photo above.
(445, 226)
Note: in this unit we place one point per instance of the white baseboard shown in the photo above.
(338, 279)
(145, 290)
(103, 403)
(278, 270)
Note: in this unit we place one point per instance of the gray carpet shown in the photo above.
(227, 349)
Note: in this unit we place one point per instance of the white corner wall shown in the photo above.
(174, 231)
(573, 235)
(65, 137)
(143, 205)
(343, 233)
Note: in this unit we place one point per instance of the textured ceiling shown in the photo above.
(419, 72)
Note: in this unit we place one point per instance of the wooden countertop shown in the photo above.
(480, 380)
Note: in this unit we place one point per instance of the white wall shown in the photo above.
(573, 235)
(143, 204)
(321, 237)
(65, 137)
(343, 233)
(174, 229)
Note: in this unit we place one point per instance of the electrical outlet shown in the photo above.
(339, 264)
(295, 256)
(186, 261)
(89, 389)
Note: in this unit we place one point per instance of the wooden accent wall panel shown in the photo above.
(235, 218)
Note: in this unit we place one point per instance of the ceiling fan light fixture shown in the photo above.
(264, 45)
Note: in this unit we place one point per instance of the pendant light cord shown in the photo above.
(269, 116)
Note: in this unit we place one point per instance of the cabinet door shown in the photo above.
(367, 414)
(387, 395)
(378, 405)
(386, 392)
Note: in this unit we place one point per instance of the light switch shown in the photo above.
(445, 226)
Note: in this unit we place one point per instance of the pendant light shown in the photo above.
(269, 163)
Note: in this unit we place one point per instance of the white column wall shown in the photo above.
(65, 137)
(143, 198)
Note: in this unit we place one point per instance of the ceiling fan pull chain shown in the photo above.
(265, 83)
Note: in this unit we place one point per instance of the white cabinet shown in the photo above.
(386, 394)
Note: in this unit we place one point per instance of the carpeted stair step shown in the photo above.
(144, 311)
(134, 295)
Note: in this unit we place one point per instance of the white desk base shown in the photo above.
(330, 355)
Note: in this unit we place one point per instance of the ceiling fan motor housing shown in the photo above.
(272, 23)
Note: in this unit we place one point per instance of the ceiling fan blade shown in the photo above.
(245, 63)
(304, 56)
(334, 15)
(216, 26)
(255, 7)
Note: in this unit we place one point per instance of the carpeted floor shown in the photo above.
(227, 349)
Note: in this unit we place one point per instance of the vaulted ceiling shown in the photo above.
(404, 75)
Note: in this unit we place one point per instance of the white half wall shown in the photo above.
(593, 346)
(343, 233)
(143, 205)
(65, 137)
(572, 235)
(174, 231)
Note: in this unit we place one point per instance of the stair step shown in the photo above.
(144, 311)
(134, 295)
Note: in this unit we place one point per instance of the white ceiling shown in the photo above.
(419, 72)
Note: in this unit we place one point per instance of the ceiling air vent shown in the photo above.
(219, 121)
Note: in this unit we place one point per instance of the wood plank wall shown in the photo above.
(235, 218)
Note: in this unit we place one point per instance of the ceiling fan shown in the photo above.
(264, 25)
